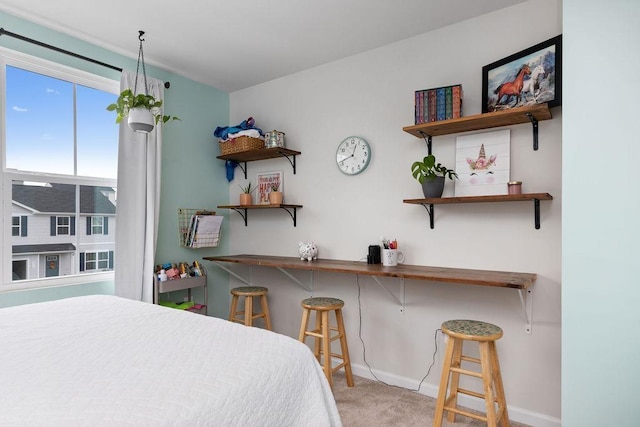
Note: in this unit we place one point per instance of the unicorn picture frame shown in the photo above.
(531, 76)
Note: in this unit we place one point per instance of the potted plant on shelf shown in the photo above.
(275, 196)
(246, 197)
(143, 111)
(431, 175)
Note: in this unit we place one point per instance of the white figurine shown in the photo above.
(308, 251)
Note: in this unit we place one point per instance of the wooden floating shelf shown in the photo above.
(536, 197)
(494, 119)
(480, 199)
(242, 210)
(263, 154)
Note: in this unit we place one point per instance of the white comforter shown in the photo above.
(104, 360)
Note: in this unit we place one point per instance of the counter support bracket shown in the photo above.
(298, 282)
(233, 273)
(526, 299)
(400, 300)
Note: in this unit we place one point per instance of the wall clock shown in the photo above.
(353, 155)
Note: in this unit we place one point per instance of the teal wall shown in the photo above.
(601, 211)
(191, 174)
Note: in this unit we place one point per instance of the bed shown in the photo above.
(105, 361)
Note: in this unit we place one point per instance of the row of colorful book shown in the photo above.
(442, 103)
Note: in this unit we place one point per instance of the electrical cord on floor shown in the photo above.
(364, 348)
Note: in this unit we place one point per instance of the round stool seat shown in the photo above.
(322, 303)
(249, 290)
(473, 330)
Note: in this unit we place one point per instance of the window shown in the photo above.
(62, 225)
(97, 225)
(59, 168)
(19, 226)
(96, 261)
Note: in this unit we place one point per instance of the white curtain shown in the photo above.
(138, 203)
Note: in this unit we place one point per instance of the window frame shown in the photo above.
(97, 260)
(34, 64)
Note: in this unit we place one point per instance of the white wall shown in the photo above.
(371, 95)
(601, 289)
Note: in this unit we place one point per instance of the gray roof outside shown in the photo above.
(54, 247)
(60, 198)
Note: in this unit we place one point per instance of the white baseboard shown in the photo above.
(516, 414)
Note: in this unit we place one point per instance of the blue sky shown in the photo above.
(40, 123)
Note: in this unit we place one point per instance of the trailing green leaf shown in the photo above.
(127, 101)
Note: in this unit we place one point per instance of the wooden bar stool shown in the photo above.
(247, 315)
(322, 306)
(486, 335)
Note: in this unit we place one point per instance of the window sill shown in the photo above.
(57, 281)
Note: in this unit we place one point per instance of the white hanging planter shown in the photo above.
(141, 120)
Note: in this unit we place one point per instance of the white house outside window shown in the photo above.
(59, 173)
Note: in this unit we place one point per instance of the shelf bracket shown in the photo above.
(399, 301)
(536, 213)
(534, 124)
(292, 160)
(291, 214)
(429, 208)
(428, 140)
(244, 168)
(526, 299)
(242, 214)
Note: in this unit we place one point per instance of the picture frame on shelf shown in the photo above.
(531, 76)
(265, 181)
(483, 163)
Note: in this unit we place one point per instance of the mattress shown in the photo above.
(105, 361)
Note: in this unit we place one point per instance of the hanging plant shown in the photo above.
(128, 101)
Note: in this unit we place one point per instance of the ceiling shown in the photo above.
(235, 44)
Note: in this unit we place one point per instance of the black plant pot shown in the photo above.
(433, 188)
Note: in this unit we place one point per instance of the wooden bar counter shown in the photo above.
(502, 279)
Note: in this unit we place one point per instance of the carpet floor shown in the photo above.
(372, 403)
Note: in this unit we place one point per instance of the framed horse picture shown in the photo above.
(531, 76)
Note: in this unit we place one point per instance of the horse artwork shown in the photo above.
(531, 76)
(532, 85)
(512, 88)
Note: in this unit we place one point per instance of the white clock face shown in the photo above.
(353, 155)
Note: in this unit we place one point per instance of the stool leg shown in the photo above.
(248, 311)
(497, 380)
(345, 349)
(326, 346)
(265, 311)
(234, 307)
(487, 382)
(303, 325)
(444, 383)
(318, 341)
(455, 379)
